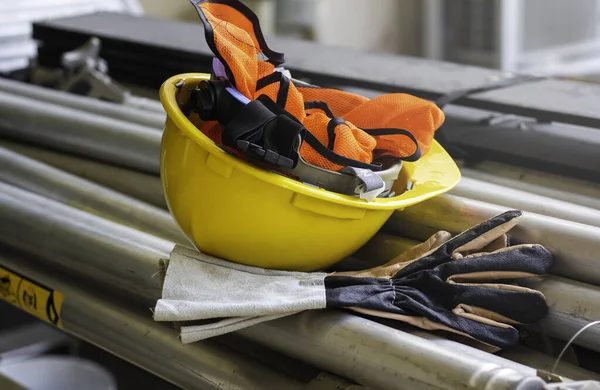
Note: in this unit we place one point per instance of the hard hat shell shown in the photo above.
(243, 213)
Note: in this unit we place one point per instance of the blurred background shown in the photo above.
(548, 36)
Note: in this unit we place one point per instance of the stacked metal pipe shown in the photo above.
(380, 356)
(114, 241)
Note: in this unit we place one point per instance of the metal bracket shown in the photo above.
(86, 73)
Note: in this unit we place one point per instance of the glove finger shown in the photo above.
(481, 235)
(404, 260)
(423, 249)
(508, 263)
(491, 333)
(482, 315)
(474, 239)
(519, 304)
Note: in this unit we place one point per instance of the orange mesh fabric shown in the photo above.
(402, 111)
(349, 141)
(339, 102)
(232, 36)
(233, 33)
(234, 40)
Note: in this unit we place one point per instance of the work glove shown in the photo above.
(453, 284)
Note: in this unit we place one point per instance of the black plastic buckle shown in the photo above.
(266, 155)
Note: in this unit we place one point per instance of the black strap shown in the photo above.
(317, 104)
(268, 80)
(315, 143)
(284, 137)
(248, 124)
(284, 89)
(336, 158)
(284, 86)
(379, 132)
(333, 123)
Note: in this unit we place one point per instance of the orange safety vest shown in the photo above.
(337, 129)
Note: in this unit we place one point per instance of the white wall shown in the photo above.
(377, 25)
(170, 9)
(392, 26)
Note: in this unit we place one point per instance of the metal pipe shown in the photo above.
(574, 245)
(572, 306)
(383, 357)
(154, 347)
(521, 358)
(142, 186)
(541, 361)
(531, 177)
(148, 118)
(125, 261)
(45, 180)
(74, 131)
(509, 197)
(142, 102)
(122, 258)
(572, 192)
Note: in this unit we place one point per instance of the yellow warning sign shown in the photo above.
(38, 300)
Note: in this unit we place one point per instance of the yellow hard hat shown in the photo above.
(241, 212)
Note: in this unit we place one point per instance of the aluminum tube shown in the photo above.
(509, 197)
(376, 355)
(528, 177)
(519, 358)
(151, 346)
(53, 183)
(395, 242)
(148, 118)
(570, 195)
(122, 258)
(575, 246)
(572, 306)
(538, 360)
(145, 103)
(142, 186)
(125, 262)
(69, 130)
